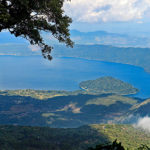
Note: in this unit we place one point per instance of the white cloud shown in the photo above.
(143, 123)
(34, 48)
(106, 10)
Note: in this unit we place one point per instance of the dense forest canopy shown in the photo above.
(27, 18)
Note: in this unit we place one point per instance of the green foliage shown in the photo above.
(114, 146)
(129, 55)
(130, 137)
(40, 94)
(61, 111)
(112, 99)
(108, 85)
(44, 138)
(101, 85)
(27, 18)
(140, 109)
(134, 56)
(144, 147)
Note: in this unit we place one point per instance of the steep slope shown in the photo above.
(108, 85)
(135, 113)
(142, 109)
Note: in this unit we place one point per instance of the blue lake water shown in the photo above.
(34, 72)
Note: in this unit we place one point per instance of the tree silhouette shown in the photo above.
(27, 18)
(114, 146)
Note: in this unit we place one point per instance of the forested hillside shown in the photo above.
(134, 56)
(63, 111)
(44, 138)
(108, 85)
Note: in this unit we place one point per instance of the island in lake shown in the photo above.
(108, 85)
(102, 85)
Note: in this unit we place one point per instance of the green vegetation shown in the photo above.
(112, 99)
(39, 94)
(113, 146)
(133, 56)
(140, 110)
(67, 108)
(101, 85)
(25, 19)
(129, 136)
(136, 112)
(108, 85)
(62, 111)
(45, 138)
(70, 108)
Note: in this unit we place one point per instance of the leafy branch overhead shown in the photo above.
(27, 18)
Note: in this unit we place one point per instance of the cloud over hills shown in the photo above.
(144, 123)
(106, 10)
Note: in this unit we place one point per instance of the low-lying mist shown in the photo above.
(143, 123)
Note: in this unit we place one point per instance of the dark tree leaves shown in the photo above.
(114, 146)
(27, 18)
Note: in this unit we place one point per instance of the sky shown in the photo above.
(110, 15)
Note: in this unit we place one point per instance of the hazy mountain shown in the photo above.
(106, 38)
(87, 38)
(137, 112)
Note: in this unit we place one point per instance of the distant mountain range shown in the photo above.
(106, 38)
(87, 38)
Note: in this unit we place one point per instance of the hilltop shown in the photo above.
(108, 85)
